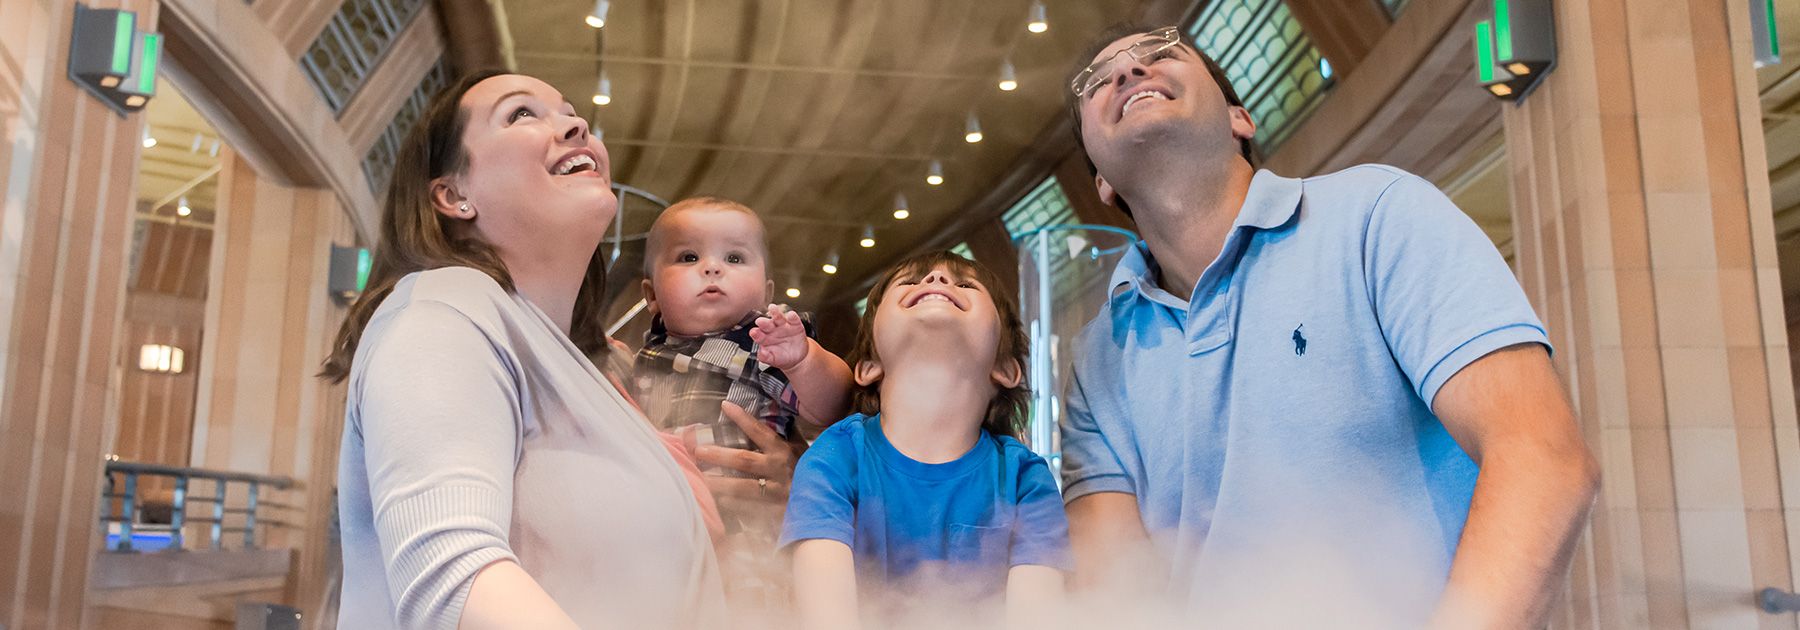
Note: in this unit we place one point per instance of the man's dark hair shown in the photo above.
(1116, 32)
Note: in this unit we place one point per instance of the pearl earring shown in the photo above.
(464, 208)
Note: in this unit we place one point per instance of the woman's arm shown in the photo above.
(1034, 594)
(505, 597)
(437, 409)
(824, 585)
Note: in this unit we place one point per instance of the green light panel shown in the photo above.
(1484, 50)
(147, 77)
(363, 263)
(1774, 33)
(123, 27)
(1502, 32)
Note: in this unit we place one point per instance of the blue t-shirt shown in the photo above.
(1277, 428)
(918, 528)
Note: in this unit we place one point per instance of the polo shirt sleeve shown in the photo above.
(822, 501)
(1041, 536)
(1443, 295)
(1089, 464)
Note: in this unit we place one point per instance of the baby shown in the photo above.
(706, 276)
(927, 496)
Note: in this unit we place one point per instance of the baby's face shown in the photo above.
(709, 270)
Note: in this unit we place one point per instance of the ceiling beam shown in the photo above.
(771, 150)
(750, 65)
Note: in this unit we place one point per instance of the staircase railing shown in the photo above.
(130, 525)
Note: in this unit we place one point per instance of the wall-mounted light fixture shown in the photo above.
(159, 358)
(1515, 47)
(349, 272)
(1764, 36)
(900, 209)
(113, 60)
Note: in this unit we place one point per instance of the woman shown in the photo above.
(490, 475)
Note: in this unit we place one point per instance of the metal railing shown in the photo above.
(124, 518)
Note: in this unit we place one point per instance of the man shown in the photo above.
(1315, 401)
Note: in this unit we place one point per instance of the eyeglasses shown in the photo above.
(1097, 73)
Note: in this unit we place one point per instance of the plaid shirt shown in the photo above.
(680, 381)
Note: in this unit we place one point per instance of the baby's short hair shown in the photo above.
(1006, 412)
(653, 241)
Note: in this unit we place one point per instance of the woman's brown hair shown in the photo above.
(416, 237)
(1006, 412)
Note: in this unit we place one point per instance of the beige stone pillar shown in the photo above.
(67, 172)
(1645, 240)
(270, 323)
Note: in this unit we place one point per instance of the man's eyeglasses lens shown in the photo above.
(1096, 73)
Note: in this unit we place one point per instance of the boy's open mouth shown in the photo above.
(934, 295)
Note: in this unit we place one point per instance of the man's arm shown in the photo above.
(1111, 547)
(1537, 482)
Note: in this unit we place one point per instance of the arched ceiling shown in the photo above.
(813, 112)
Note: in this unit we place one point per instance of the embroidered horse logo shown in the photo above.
(1299, 341)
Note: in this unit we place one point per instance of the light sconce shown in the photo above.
(935, 174)
(1764, 37)
(349, 272)
(160, 358)
(868, 239)
(972, 130)
(113, 60)
(1037, 23)
(597, 19)
(1009, 80)
(603, 93)
(900, 209)
(1515, 47)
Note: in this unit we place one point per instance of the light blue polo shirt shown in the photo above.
(1274, 428)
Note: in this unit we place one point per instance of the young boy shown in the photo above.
(705, 277)
(926, 496)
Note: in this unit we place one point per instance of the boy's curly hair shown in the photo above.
(1006, 413)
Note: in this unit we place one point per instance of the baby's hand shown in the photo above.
(781, 338)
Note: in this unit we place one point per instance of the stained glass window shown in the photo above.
(378, 163)
(352, 43)
(1271, 62)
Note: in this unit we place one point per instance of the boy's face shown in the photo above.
(941, 312)
(708, 271)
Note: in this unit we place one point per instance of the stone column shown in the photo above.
(68, 169)
(269, 325)
(1645, 239)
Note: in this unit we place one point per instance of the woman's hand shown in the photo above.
(773, 468)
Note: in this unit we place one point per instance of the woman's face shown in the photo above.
(539, 185)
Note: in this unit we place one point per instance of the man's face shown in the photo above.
(1142, 101)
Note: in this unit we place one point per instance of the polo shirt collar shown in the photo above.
(1272, 202)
